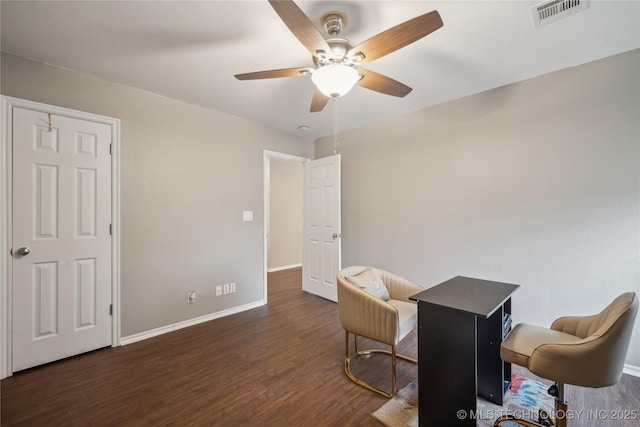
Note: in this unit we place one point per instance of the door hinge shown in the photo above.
(111, 229)
(110, 309)
(111, 148)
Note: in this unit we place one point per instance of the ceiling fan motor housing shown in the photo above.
(338, 55)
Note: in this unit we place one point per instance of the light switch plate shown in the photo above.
(247, 216)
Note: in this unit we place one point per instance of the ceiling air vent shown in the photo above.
(553, 10)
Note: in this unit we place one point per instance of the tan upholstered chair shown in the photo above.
(366, 315)
(587, 351)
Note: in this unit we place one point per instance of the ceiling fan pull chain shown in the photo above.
(336, 130)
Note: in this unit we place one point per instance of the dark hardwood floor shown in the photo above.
(278, 365)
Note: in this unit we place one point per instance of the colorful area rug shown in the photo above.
(522, 400)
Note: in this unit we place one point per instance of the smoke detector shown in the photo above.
(554, 10)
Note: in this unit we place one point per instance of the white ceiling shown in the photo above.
(191, 50)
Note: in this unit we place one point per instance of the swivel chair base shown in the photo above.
(544, 419)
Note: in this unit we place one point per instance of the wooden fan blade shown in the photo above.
(319, 101)
(271, 74)
(301, 27)
(396, 38)
(383, 84)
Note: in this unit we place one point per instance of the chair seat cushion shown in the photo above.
(407, 317)
(524, 339)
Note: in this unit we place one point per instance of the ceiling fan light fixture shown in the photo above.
(335, 80)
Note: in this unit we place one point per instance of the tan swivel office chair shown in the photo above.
(587, 351)
(386, 318)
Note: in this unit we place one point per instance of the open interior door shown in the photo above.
(321, 249)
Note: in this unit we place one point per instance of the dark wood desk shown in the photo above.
(460, 329)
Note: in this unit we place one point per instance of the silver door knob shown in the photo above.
(25, 250)
(336, 235)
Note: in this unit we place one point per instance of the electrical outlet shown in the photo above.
(218, 290)
(191, 297)
(225, 288)
(232, 287)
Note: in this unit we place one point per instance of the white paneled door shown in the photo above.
(322, 235)
(61, 255)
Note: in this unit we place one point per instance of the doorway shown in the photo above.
(283, 209)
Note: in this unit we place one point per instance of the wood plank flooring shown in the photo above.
(278, 365)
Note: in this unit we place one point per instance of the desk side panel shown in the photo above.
(446, 366)
(490, 365)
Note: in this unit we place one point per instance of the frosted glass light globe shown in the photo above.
(335, 80)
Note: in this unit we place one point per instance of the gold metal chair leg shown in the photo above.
(392, 353)
(509, 420)
(393, 370)
(560, 419)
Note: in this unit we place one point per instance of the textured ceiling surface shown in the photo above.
(191, 50)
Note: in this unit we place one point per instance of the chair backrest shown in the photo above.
(619, 313)
(612, 331)
(364, 314)
(597, 360)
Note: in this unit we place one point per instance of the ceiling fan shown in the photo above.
(336, 58)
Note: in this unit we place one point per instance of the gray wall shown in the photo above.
(536, 183)
(285, 219)
(187, 174)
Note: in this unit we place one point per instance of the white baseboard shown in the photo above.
(283, 267)
(185, 324)
(632, 370)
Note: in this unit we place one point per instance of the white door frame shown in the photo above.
(6, 186)
(267, 157)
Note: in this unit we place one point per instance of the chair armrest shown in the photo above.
(399, 287)
(366, 315)
(583, 363)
